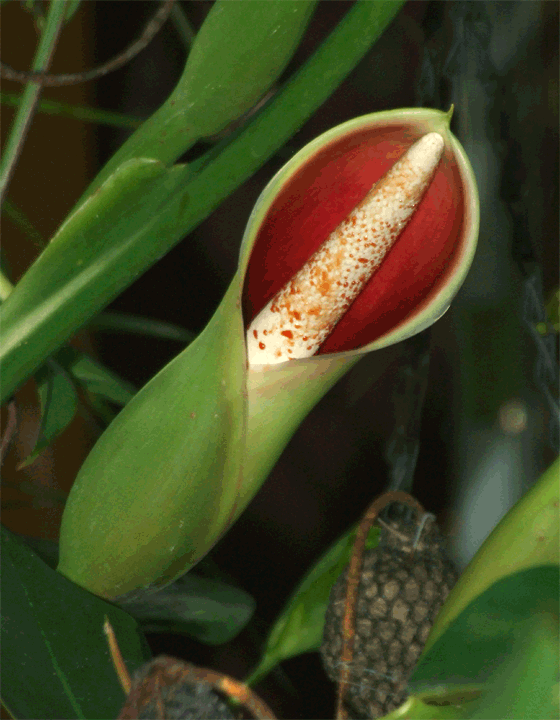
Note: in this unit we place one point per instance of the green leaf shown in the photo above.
(299, 628)
(77, 268)
(22, 222)
(468, 657)
(415, 709)
(50, 28)
(59, 402)
(76, 112)
(137, 324)
(72, 7)
(240, 50)
(94, 377)
(56, 657)
(527, 536)
(33, 322)
(525, 684)
(206, 609)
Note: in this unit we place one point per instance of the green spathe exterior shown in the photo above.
(186, 455)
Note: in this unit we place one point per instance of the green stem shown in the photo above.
(76, 112)
(22, 222)
(24, 115)
(182, 26)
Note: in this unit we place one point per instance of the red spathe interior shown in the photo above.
(321, 194)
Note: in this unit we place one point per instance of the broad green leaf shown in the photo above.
(28, 336)
(56, 657)
(486, 633)
(299, 628)
(527, 536)
(58, 401)
(206, 609)
(47, 550)
(525, 684)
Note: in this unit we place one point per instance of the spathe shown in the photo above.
(183, 459)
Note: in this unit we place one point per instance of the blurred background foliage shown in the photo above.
(488, 427)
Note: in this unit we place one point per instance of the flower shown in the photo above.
(183, 459)
(321, 186)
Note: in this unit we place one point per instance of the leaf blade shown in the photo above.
(299, 628)
(38, 606)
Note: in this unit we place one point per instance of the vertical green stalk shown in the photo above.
(24, 115)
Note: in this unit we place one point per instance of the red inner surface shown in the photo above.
(321, 194)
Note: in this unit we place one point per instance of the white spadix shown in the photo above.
(303, 313)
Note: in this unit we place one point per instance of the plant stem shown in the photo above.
(182, 26)
(22, 222)
(77, 112)
(24, 115)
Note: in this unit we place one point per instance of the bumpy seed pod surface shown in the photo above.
(402, 587)
(188, 702)
(166, 695)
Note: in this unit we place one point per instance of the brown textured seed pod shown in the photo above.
(190, 701)
(403, 584)
(169, 689)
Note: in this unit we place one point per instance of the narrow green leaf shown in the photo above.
(138, 325)
(52, 634)
(94, 377)
(182, 25)
(76, 112)
(59, 402)
(78, 264)
(299, 628)
(72, 7)
(50, 30)
(206, 609)
(240, 50)
(22, 222)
